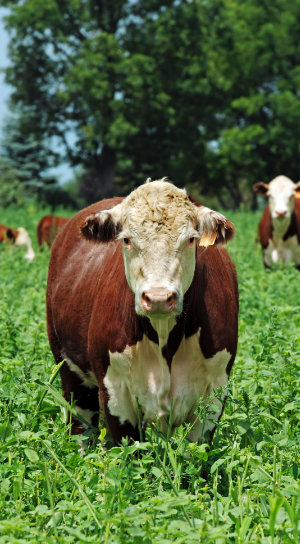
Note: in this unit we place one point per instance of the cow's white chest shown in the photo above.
(140, 377)
(284, 251)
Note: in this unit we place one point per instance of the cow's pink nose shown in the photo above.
(280, 213)
(159, 301)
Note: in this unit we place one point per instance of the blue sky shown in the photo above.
(4, 88)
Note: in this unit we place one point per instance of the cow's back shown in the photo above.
(48, 227)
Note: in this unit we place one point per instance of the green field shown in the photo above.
(244, 488)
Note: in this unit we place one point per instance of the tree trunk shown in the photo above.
(106, 173)
(235, 194)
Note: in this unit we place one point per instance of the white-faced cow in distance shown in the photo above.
(143, 310)
(279, 227)
(19, 237)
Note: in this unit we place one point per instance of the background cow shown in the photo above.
(279, 227)
(150, 331)
(48, 227)
(19, 237)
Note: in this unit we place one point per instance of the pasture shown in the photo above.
(243, 488)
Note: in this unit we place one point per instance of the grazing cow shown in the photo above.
(279, 227)
(142, 311)
(48, 227)
(19, 237)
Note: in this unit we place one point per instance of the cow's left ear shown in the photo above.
(103, 226)
(261, 188)
(213, 227)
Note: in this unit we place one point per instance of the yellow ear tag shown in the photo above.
(297, 194)
(207, 239)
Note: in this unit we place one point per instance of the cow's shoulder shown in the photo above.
(294, 226)
(211, 303)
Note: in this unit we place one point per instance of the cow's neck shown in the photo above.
(280, 226)
(163, 327)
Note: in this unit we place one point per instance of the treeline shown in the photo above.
(205, 92)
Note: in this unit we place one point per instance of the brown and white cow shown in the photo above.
(19, 237)
(144, 317)
(48, 227)
(279, 227)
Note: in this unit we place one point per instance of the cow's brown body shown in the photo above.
(48, 227)
(279, 227)
(292, 232)
(92, 319)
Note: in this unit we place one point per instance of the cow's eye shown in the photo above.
(126, 241)
(191, 240)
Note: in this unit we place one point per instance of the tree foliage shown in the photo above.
(11, 188)
(204, 92)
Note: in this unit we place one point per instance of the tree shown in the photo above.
(260, 132)
(11, 188)
(27, 156)
(204, 92)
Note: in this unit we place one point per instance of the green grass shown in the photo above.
(244, 488)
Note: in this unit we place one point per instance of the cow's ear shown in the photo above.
(103, 226)
(10, 235)
(213, 227)
(261, 188)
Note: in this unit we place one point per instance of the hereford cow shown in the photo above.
(48, 227)
(19, 237)
(279, 227)
(142, 310)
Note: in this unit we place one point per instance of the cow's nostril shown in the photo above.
(146, 301)
(281, 213)
(159, 301)
(146, 298)
(171, 298)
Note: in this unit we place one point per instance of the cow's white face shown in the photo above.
(159, 227)
(280, 192)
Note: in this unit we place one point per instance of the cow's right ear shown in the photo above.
(103, 226)
(261, 188)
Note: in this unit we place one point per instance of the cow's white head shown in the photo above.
(159, 227)
(280, 192)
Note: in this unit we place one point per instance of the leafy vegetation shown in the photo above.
(243, 488)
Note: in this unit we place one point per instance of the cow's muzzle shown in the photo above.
(280, 214)
(159, 301)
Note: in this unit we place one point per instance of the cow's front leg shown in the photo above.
(117, 429)
(82, 395)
